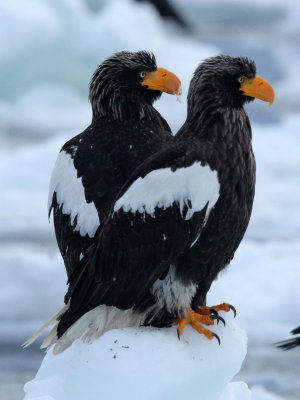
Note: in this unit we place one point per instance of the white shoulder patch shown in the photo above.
(70, 194)
(193, 186)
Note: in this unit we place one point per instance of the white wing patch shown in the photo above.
(193, 186)
(70, 194)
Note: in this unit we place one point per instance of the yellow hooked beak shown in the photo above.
(259, 88)
(162, 80)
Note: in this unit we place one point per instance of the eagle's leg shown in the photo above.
(195, 320)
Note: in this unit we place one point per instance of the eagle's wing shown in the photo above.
(75, 216)
(84, 182)
(157, 215)
(291, 343)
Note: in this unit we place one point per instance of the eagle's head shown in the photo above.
(127, 81)
(227, 81)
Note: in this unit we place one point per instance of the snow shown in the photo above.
(25, 174)
(261, 281)
(23, 267)
(236, 390)
(276, 212)
(260, 393)
(146, 363)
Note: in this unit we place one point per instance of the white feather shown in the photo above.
(70, 195)
(197, 184)
(172, 294)
(89, 327)
(51, 321)
(93, 324)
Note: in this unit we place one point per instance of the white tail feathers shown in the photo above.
(94, 323)
(89, 327)
(51, 321)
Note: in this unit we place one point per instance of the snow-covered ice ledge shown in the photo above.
(146, 364)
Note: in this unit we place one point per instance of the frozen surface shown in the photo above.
(236, 391)
(146, 363)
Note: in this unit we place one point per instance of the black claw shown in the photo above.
(218, 318)
(217, 337)
(216, 315)
(233, 309)
(178, 334)
(213, 311)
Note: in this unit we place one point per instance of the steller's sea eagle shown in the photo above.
(92, 167)
(177, 221)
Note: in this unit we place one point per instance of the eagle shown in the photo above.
(92, 167)
(176, 222)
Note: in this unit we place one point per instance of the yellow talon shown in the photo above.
(195, 320)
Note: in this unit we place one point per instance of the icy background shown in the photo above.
(48, 52)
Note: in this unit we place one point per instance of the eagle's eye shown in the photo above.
(142, 74)
(241, 79)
